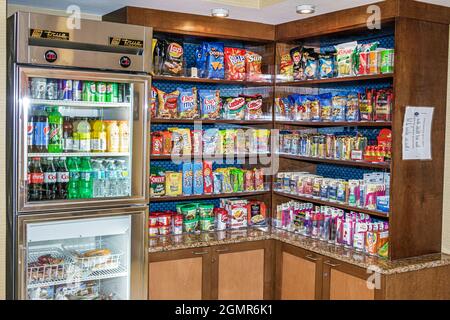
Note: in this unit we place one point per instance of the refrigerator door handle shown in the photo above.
(22, 272)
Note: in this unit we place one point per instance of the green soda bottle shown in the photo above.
(86, 184)
(74, 179)
(55, 140)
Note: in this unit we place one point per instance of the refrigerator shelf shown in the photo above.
(86, 104)
(96, 275)
(79, 154)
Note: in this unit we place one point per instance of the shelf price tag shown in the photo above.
(417, 133)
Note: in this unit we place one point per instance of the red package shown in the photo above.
(157, 143)
(256, 211)
(167, 104)
(167, 142)
(253, 63)
(235, 64)
(197, 141)
(259, 179)
(153, 103)
(207, 177)
(249, 180)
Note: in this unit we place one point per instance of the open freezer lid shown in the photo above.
(77, 228)
(62, 41)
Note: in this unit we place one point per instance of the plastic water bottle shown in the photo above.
(98, 176)
(111, 185)
(124, 178)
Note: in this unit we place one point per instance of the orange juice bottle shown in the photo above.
(124, 136)
(112, 136)
(98, 140)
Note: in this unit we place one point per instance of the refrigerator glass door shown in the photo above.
(82, 139)
(81, 258)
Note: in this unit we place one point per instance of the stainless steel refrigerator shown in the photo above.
(77, 158)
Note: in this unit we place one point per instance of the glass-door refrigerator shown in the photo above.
(77, 158)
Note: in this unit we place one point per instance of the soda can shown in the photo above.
(112, 92)
(101, 91)
(89, 91)
(77, 90)
(38, 88)
(65, 87)
(52, 89)
(121, 93)
(126, 92)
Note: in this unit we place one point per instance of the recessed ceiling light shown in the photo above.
(220, 12)
(306, 9)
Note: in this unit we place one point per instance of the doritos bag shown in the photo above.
(215, 60)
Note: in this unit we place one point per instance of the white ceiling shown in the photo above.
(281, 11)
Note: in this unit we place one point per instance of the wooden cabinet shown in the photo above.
(298, 273)
(242, 271)
(180, 275)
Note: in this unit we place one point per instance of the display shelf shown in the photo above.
(96, 275)
(218, 157)
(307, 83)
(213, 81)
(209, 196)
(211, 121)
(332, 204)
(80, 154)
(335, 124)
(356, 163)
(79, 104)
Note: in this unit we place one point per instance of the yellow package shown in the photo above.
(187, 141)
(241, 142)
(174, 184)
(230, 141)
(262, 140)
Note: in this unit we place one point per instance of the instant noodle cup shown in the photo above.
(189, 212)
(190, 226)
(206, 210)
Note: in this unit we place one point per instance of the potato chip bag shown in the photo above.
(200, 60)
(287, 67)
(253, 63)
(254, 106)
(235, 64)
(233, 108)
(167, 142)
(167, 108)
(210, 141)
(210, 104)
(298, 63)
(197, 142)
(345, 58)
(187, 103)
(157, 143)
(215, 60)
(173, 59)
(174, 184)
(198, 177)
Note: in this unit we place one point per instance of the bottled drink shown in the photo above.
(55, 141)
(98, 140)
(49, 179)
(28, 179)
(111, 183)
(30, 132)
(112, 133)
(98, 179)
(124, 136)
(124, 179)
(85, 189)
(74, 178)
(67, 135)
(77, 90)
(62, 179)
(75, 136)
(36, 180)
(41, 130)
(101, 91)
(84, 136)
(89, 91)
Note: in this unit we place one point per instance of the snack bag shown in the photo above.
(197, 141)
(249, 180)
(198, 177)
(326, 65)
(200, 60)
(302, 107)
(326, 106)
(345, 59)
(186, 140)
(383, 105)
(311, 64)
(229, 141)
(234, 108)
(167, 108)
(234, 64)
(226, 180)
(352, 107)
(188, 179)
(262, 140)
(241, 141)
(259, 179)
(253, 108)
(167, 142)
(217, 177)
(208, 186)
(157, 143)
(173, 59)
(314, 105)
(257, 212)
(220, 148)
(157, 182)
(237, 180)
(210, 140)
(287, 67)
(339, 107)
(210, 103)
(253, 62)
(366, 105)
(298, 63)
(174, 184)
(215, 60)
(177, 141)
(153, 103)
(187, 103)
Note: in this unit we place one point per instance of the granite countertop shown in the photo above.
(383, 266)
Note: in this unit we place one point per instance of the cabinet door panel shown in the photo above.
(241, 275)
(176, 279)
(298, 278)
(347, 287)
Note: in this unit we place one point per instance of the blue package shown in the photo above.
(187, 103)
(186, 169)
(339, 106)
(383, 203)
(210, 103)
(326, 108)
(326, 65)
(198, 177)
(352, 112)
(210, 141)
(200, 60)
(215, 62)
(314, 107)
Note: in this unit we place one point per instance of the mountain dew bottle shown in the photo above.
(74, 179)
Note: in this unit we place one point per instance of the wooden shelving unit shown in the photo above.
(211, 121)
(209, 196)
(353, 163)
(308, 83)
(213, 81)
(335, 124)
(209, 157)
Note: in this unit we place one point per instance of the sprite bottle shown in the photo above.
(55, 121)
(74, 179)
(89, 91)
(112, 92)
(101, 91)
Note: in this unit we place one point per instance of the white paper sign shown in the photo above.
(417, 133)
